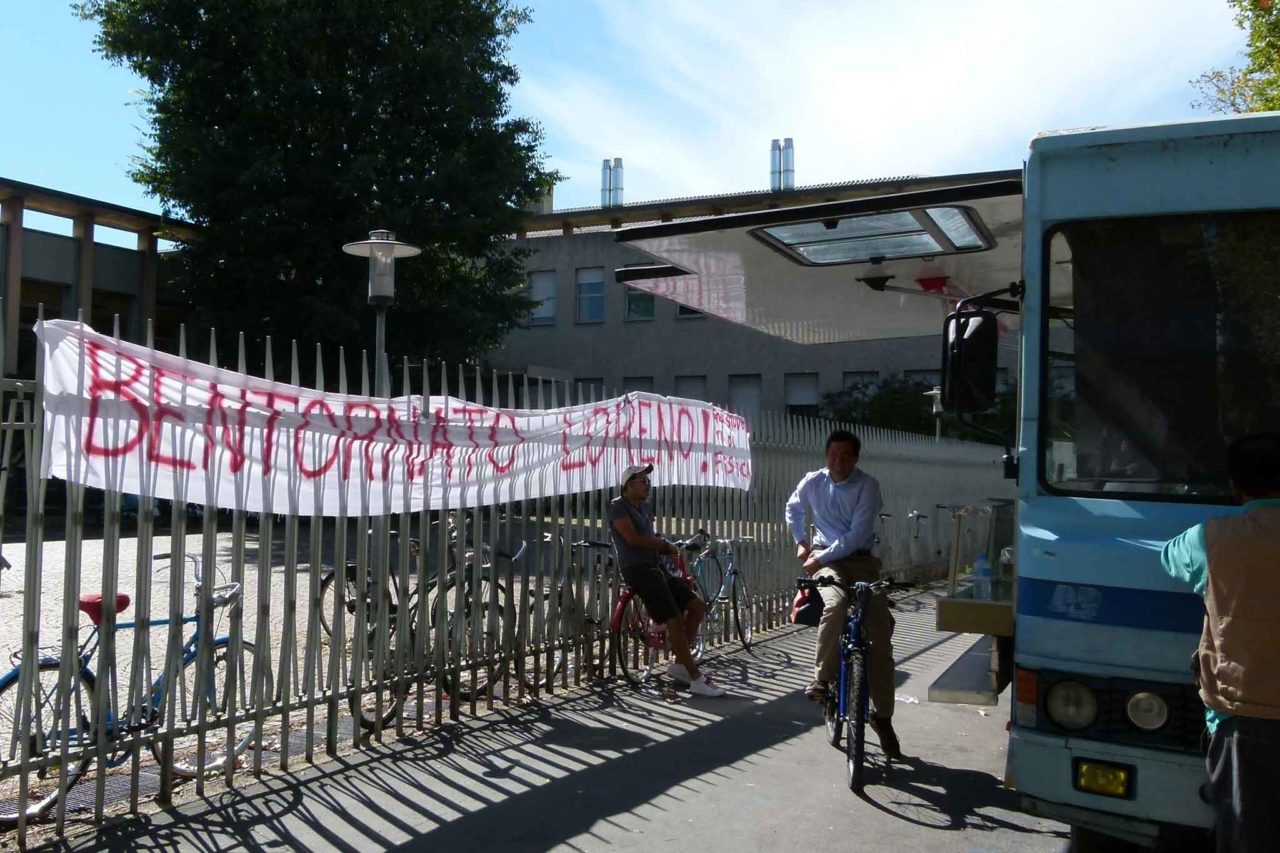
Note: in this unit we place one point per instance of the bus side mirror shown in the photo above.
(969, 346)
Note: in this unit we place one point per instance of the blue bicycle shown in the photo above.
(59, 730)
(850, 701)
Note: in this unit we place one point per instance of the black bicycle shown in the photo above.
(474, 618)
(850, 701)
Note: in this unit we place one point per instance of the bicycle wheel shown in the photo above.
(395, 680)
(743, 611)
(575, 628)
(364, 705)
(856, 709)
(478, 639)
(629, 643)
(350, 604)
(328, 590)
(212, 697)
(710, 576)
(46, 735)
(831, 716)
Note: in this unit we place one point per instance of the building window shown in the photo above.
(686, 311)
(744, 394)
(931, 378)
(588, 389)
(639, 305)
(591, 295)
(106, 307)
(637, 383)
(801, 393)
(542, 290)
(860, 379)
(1062, 380)
(33, 295)
(691, 387)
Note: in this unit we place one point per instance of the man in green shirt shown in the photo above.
(1234, 563)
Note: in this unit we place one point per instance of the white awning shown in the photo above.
(864, 269)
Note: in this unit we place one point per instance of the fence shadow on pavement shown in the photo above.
(606, 766)
(523, 777)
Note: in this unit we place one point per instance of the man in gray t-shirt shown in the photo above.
(668, 598)
(641, 516)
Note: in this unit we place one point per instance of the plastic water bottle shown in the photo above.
(982, 577)
(1004, 575)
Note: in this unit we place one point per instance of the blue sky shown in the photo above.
(690, 92)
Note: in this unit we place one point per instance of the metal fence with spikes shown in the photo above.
(303, 636)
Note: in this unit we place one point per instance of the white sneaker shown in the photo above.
(705, 687)
(677, 672)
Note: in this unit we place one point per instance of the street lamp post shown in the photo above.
(382, 249)
(936, 394)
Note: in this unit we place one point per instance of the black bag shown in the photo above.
(806, 608)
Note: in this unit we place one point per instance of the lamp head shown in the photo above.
(382, 249)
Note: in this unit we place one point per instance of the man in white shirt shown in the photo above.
(844, 504)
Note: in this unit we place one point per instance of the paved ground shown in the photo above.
(608, 767)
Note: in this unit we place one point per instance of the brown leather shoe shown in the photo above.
(817, 691)
(883, 727)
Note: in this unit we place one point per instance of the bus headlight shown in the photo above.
(1071, 705)
(1147, 711)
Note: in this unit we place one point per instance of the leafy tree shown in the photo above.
(285, 128)
(900, 404)
(1255, 87)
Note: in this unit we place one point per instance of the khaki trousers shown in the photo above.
(877, 630)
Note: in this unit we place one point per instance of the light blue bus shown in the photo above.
(1138, 269)
(1151, 335)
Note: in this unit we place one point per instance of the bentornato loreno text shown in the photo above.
(124, 417)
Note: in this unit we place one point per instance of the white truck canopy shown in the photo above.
(889, 266)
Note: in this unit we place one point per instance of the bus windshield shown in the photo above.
(1161, 344)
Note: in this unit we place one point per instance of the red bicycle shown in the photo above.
(636, 642)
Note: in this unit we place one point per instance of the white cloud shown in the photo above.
(692, 92)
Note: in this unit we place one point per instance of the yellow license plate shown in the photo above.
(1100, 777)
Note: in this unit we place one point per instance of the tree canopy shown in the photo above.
(286, 128)
(900, 404)
(1256, 86)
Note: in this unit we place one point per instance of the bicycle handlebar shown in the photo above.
(223, 593)
(729, 543)
(882, 585)
(591, 543)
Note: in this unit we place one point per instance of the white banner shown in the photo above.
(120, 416)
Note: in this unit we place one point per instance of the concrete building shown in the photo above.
(589, 328)
(72, 273)
(606, 336)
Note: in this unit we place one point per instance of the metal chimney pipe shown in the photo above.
(606, 182)
(788, 164)
(775, 166)
(615, 185)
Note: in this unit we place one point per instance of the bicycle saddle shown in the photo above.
(91, 605)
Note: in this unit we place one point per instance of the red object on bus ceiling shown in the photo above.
(932, 285)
